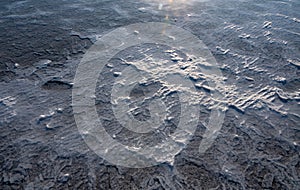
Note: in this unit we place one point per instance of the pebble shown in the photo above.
(64, 178)
(116, 74)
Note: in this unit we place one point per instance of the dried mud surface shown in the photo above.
(256, 44)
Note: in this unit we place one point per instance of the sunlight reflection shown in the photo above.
(171, 8)
(170, 4)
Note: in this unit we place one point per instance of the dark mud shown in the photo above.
(256, 44)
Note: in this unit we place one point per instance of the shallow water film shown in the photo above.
(150, 94)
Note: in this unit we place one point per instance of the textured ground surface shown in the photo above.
(255, 42)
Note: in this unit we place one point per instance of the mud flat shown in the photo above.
(255, 43)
